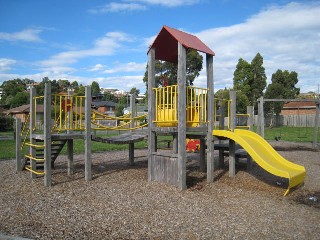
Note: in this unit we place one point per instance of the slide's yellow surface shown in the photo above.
(265, 156)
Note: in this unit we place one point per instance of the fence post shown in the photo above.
(133, 110)
(87, 137)
(316, 125)
(47, 135)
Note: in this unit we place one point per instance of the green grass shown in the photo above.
(291, 134)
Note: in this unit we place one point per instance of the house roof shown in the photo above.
(296, 105)
(166, 47)
(24, 109)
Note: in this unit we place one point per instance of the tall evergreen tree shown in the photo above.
(250, 78)
(282, 86)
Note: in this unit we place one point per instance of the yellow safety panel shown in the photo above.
(265, 156)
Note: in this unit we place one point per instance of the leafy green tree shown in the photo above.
(95, 88)
(134, 91)
(250, 78)
(81, 91)
(19, 99)
(282, 86)
(223, 95)
(107, 96)
(168, 71)
(119, 109)
(10, 88)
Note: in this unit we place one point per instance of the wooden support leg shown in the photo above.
(175, 143)
(221, 158)
(249, 162)
(202, 155)
(70, 156)
(232, 159)
(131, 154)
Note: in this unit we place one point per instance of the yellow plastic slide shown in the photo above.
(265, 156)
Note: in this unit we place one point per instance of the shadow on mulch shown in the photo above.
(295, 148)
(309, 198)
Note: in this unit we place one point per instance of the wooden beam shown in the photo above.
(181, 116)
(47, 135)
(31, 126)
(211, 122)
(88, 160)
(316, 126)
(151, 112)
(18, 145)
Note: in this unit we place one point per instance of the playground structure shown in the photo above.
(178, 110)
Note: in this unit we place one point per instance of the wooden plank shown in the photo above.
(233, 111)
(181, 117)
(211, 122)
(47, 135)
(261, 117)
(88, 160)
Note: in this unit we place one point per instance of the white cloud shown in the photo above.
(5, 64)
(286, 36)
(104, 46)
(127, 67)
(169, 3)
(97, 67)
(26, 35)
(118, 7)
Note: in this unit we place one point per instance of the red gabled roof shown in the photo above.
(299, 105)
(166, 47)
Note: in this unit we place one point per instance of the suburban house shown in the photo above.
(298, 108)
(22, 112)
(105, 107)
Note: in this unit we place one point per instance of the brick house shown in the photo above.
(23, 111)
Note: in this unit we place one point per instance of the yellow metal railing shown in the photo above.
(166, 106)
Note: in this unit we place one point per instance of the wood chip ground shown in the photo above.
(120, 203)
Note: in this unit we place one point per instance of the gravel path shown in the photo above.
(121, 204)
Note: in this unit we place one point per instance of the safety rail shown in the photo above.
(166, 106)
(68, 112)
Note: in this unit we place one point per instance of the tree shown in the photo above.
(250, 78)
(11, 89)
(282, 86)
(95, 88)
(168, 71)
(119, 109)
(134, 91)
(223, 96)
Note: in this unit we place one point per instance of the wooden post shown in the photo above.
(32, 120)
(133, 110)
(151, 111)
(211, 120)
(250, 111)
(87, 137)
(261, 117)
(232, 144)
(47, 135)
(18, 145)
(202, 154)
(131, 154)
(181, 117)
(316, 125)
(221, 127)
(70, 156)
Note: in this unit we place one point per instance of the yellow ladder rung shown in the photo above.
(34, 145)
(34, 158)
(33, 171)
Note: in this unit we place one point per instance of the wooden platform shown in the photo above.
(126, 138)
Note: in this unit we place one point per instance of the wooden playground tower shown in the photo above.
(179, 110)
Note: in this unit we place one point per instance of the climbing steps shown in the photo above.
(56, 147)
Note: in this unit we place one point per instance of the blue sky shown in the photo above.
(107, 41)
